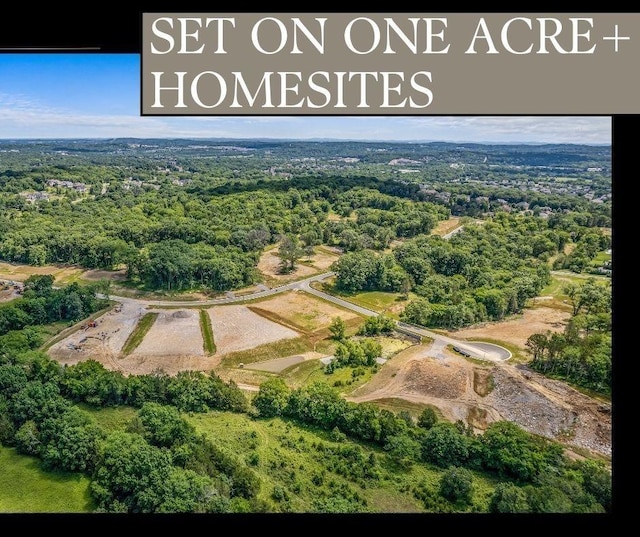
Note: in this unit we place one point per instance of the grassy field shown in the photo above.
(26, 488)
(379, 301)
(141, 329)
(295, 473)
(207, 333)
(111, 419)
(268, 351)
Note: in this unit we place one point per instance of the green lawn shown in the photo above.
(26, 488)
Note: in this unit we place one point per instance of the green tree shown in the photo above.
(403, 450)
(289, 251)
(377, 325)
(338, 328)
(444, 445)
(508, 498)
(70, 441)
(596, 480)
(547, 499)
(372, 351)
(317, 404)
(27, 439)
(428, 418)
(456, 484)
(40, 284)
(272, 398)
(163, 426)
(511, 451)
(131, 475)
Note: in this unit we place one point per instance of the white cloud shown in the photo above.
(21, 117)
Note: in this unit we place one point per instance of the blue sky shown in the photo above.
(98, 96)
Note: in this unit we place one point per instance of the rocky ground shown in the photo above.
(481, 394)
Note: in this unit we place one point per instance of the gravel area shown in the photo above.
(174, 333)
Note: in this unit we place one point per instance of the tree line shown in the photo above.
(582, 353)
(159, 463)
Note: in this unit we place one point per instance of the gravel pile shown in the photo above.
(574, 420)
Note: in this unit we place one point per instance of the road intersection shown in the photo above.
(475, 349)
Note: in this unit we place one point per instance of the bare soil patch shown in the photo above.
(8, 294)
(105, 340)
(481, 394)
(237, 328)
(173, 344)
(516, 331)
(109, 275)
(304, 310)
(174, 333)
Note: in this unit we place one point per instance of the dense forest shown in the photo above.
(183, 215)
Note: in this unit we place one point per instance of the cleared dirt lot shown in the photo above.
(481, 394)
(304, 310)
(516, 331)
(237, 328)
(175, 332)
(174, 342)
(104, 341)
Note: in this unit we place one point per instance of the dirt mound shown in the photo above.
(480, 395)
(181, 314)
(436, 380)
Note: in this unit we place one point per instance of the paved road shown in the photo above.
(480, 350)
(229, 298)
(483, 351)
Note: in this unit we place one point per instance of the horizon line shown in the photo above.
(272, 139)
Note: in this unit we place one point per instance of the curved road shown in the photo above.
(480, 350)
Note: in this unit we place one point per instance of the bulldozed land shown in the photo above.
(237, 328)
(271, 335)
(174, 342)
